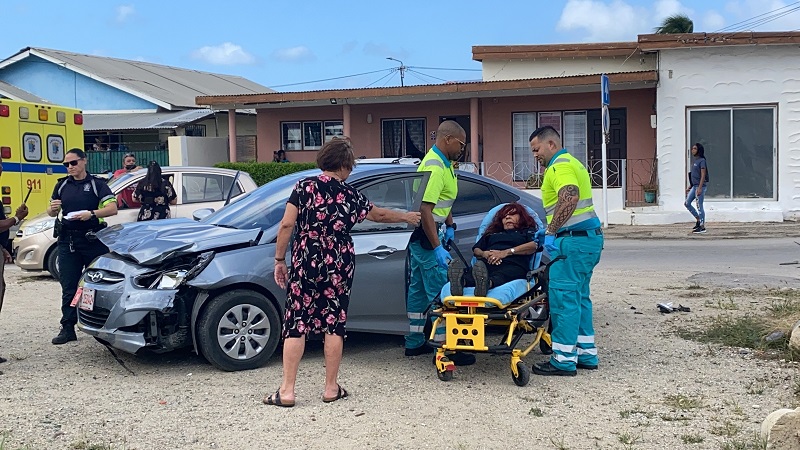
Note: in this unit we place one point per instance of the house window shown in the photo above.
(522, 126)
(574, 136)
(571, 125)
(195, 130)
(403, 137)
(740, 145)
(309, 135)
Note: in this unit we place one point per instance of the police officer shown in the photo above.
(428, 258)
(5, 224)
(83, 200)
(573, 230)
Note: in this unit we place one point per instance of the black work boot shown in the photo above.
(455, 274)
(548, 369)
(67, 334)
(481, 275)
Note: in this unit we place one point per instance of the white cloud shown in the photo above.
(666, 8)
(223, 54)
(603, 21)
(744, 10)
(125, 12)
(712, 21)
(300, 53)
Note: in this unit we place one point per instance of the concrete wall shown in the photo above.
(65, 87)
(197, 151)
(564, 67)
(728, 76)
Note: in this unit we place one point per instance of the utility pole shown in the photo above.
(402, 69)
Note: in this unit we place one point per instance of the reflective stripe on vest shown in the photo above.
(432, 163)
(585, 207)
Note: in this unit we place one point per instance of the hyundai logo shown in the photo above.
(94, 277)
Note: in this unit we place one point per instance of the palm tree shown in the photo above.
(676, 24)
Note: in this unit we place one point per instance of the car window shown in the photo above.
(204, 187)
(396, 194)
(125, 197)
(473, 198)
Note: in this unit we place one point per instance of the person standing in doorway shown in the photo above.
(698, 184)
(428, 258)
(574, 240)
(84, 201)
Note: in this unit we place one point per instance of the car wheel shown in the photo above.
(238, 330)
(52, 263)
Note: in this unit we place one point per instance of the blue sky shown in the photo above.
(277, 43)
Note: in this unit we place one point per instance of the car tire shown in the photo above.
(52, 263)
(246, 344)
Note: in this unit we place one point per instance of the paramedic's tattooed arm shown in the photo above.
(567, 202)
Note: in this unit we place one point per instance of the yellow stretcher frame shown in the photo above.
(466, 318)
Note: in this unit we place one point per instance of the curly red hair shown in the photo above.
(525, 219)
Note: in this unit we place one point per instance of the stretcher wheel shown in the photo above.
(447, 375)
(524, 374)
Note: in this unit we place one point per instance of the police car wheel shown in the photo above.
(238, 330)
(52, 263)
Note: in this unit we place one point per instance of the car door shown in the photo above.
(378, 297)
(204, 190)
(128, 206)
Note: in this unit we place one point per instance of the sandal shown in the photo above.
(339, 395)
(275, 400)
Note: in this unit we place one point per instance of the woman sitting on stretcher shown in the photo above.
(503, 253)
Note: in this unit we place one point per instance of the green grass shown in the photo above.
(692, 439)
(784, 307)
(536, 412)
(756, 442)
(628, 439)
(683, 402)
(727, 429)
(558, 443)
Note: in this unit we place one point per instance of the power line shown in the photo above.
(441, 68)
(331, 79)
(381, 78)
(745, 23)
(429, 76)
(394, 72)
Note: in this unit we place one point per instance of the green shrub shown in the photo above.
(263, 173)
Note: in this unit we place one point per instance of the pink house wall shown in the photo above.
(495, 123)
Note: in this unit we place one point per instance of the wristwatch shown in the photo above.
(94, 216)
(453, 226)
(16, 220)
(512, 250)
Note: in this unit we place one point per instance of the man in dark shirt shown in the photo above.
(84, 201)
(5, 225)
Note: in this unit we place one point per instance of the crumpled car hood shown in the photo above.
(153, 242)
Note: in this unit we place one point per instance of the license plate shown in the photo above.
(86, 302)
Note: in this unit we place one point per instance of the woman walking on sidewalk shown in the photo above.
(698, 184)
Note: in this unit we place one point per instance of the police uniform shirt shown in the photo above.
(78, 195)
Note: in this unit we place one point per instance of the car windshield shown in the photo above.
(122, 180)
(262, 208)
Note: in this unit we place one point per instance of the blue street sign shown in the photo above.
(606, 120)
(605, 95)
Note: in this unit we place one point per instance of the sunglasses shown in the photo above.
(463, 144)
(72, 163)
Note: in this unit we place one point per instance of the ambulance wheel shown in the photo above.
(447, 375)
(524, 374)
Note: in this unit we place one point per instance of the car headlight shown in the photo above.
(174, 278)
(171, 279)
(38, 227)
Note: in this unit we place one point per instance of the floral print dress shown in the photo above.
(155, 205)
(323, 257)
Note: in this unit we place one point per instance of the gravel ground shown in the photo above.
(654, 390)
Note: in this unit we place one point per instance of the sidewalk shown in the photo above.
(714, 231)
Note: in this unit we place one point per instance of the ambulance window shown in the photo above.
(55, 148)
(32, 145)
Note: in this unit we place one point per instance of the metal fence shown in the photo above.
(629, 174)
(108, 161)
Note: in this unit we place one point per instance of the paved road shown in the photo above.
(746, 261)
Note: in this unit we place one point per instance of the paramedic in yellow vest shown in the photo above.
(428, 258)
(573, 231)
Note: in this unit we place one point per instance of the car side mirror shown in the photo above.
(202, 213)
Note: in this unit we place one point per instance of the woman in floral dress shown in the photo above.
(155, 195)
(323, 209)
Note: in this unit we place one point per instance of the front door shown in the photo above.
(616, 147)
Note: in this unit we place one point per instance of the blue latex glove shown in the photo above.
(442, 256)
(539, 236)
(449, 235)
(550, 243)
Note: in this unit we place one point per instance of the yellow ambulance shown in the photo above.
(33, 140)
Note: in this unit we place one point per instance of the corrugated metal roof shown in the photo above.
(174, 86)
(15, 93)
(142, 121)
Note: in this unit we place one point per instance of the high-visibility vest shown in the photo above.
(442, 187)
(564, 170)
